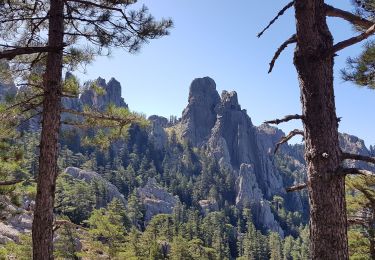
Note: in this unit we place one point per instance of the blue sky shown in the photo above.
(217, 38)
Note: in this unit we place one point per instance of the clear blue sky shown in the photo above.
(217, 38)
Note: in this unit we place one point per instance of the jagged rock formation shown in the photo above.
(89, 176)
(249, 195)
(199, 116)
(112, 95)
(156, 200)
(227, 133)
(157, 134)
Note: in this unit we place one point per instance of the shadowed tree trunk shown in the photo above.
(42, 230)
(328, 224)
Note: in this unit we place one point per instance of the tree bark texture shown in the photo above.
(326, 188)
(42, 229)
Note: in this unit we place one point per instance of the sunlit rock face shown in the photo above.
(156, 200)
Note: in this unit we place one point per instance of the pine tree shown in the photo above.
(275, 244)
(314, 61)
(45, 36)
(360, 70)
(361, 216)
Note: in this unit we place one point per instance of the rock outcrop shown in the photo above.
(14, 220)
(156, 200)
(249, 195)
(111, 95)
(199, 116)
(90, 176)
(227, 133)
(157, 134)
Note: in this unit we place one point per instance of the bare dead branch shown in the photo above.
(351, 41)
(280, 13)
(355, 171)
(292, 39)
(297, 187)
(11, 54)
(358, 157)
(352, 18)
(284, 119)
(287, 138)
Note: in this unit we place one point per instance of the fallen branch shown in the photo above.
(358, 157)
(288, 137)
(283, 46)
(351, 41)
(352, 18)
(284, 119)
(280, 13)
(297, 187)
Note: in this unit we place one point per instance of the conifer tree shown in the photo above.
(361, 69)
(41, 37)
(314, 60)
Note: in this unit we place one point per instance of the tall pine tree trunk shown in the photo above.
(328, 224)
(42, 230)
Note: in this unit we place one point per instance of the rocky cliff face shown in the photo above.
(227, 133)
(200, 116)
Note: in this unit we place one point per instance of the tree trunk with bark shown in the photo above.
(326, 188)
(42, 229)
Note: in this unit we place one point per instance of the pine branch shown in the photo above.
(280, 13)
(284, 119)
(101, 116)
(287, 138)
(11, 54)
(352, 18)
(105, 7)
(297, 187)
(351, 41)
(283, 46)
(358, 157)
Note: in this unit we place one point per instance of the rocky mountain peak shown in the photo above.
(229, 100)
(112, 95)
(199, 116)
